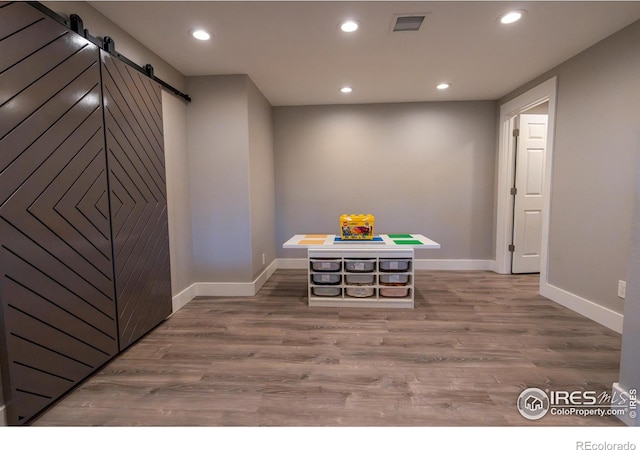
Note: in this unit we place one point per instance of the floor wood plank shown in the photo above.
(473, 342)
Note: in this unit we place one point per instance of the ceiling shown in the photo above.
(296, 54)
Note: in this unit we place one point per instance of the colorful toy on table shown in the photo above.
(356, 226)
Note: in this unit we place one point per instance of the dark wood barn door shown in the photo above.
(135, 152)
(56, 280)
(84, 246)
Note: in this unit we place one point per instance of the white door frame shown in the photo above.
(504, 220)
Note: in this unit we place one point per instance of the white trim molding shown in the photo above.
(236, 289)
(604, 316)
(621, 394)
(3, 416)
(546, 91)
(225, 289)
(453, 264)
(292, 263)
(184, 297)
(264, 276)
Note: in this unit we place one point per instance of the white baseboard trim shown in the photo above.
(3, 416)
(420, 264)
(233, 289)
(264, 276)
(224, 289)
(184, 297)
(604, 316)
(453, 264)
(618, 392)
(292, 263)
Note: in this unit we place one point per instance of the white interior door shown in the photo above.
(528, 201)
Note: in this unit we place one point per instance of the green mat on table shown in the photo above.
(407, 242)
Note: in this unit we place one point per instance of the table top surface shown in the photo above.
(405, 240)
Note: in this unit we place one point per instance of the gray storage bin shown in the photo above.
(361, 292)
(326, 291)
(394, 265)
(396, 279)
(360, 279)
(326, 278)
(326, 265)
(359, 265)
(397, 292)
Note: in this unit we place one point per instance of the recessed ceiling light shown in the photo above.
(511, 16)
(201, 35)
(349, 26)
(443, 86)
(346, 90)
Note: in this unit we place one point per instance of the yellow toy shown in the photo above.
(356, 226)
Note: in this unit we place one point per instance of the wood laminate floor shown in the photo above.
(473, 342)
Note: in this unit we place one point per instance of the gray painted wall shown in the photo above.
(231, 169)
(594, 167)
(219, 167)
(174, 111)
(261, 180)
(425, 168)
(630, 356)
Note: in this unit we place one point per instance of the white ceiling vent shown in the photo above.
(407, 22)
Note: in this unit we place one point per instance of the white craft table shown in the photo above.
(376, 273)
(386, 241)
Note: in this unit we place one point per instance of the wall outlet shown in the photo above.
(264, 259)
(622, 289)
